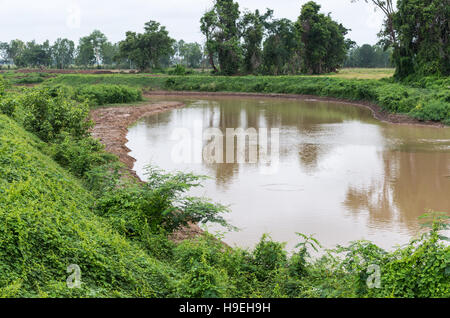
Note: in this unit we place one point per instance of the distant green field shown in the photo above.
(363, 73)
(17, 78)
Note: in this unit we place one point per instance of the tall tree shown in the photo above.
(15, 52)
(109, 53)
(85, 52)
(367, 55)
(4, 48)
(253, 26)
(36, 55)
(220, 26)
(324, 46)
(208, 26)
(281, 48)
(190, 53)
(148, 49)
(63, 52)
(423, 46)
(418, 31)
(90, 49)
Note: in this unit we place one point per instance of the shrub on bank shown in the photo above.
(48, 224)
(433, 99)
(107, 94)
(97, 95)
(395, 97)
(435, 110)
(137, 209)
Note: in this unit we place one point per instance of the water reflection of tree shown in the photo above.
(309, 155)
(412, 183)
(299, 118)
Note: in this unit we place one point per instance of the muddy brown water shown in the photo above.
(342, 174)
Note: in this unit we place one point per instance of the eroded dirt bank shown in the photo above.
(111, 128)
(376, 110)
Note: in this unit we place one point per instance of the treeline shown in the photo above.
(95, 50)
(369, 56)
(253, 42)
(414, 39)
(236, 43)
(418, 33)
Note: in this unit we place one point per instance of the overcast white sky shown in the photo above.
(49, 19)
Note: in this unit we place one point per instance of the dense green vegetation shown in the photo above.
(48, 223)
(65, 201)
(140, 50)
(106, 94)
(17, 78)
(427, 99)
(417, 31)
(314, 44)
(423, 46)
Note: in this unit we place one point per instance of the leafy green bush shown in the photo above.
(201, 262)
(107, 94)
(48, 116)
(80, 156)
(178, 70)
(437, 110)
(136, 209)
(268, 256)
(8, 105)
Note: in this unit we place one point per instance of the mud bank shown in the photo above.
(111, 128)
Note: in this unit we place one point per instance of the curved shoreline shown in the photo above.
(111, 128)
(377, 112)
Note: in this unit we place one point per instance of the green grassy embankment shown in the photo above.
(426, 100)
(47, 223)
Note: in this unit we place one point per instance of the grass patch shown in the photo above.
(17, 78)
(363, 73)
